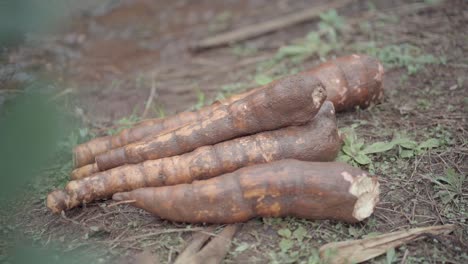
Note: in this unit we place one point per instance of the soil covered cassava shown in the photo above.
(118, 62)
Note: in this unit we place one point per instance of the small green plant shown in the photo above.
(262, 79)
(320, 42)
(403, 55)
(229, 89)
(243, 50)
(290, 241)
(123, 123)
(423, 104)
(356, 152)
(201, 100)
(449, 186)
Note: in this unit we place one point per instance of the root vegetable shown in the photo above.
(350, 81)
(291, 101)
(84, 171)
(310, 190)
(85, 153)
(317, 140)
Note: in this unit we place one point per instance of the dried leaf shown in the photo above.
(357, 251)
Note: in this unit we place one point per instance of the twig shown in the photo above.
(64, 216)
(167, 231)
(266, 27)
(405, 255)
(150, 99)
(121, 202)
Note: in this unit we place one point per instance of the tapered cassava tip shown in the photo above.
(56, 201)
(83, 172)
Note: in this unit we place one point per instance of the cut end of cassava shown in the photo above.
(366, 190)
(319, 95)
(56, 201)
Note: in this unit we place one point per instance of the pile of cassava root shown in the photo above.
(267, 152)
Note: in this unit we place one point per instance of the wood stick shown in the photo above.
(266, 27)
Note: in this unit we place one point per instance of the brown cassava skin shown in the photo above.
(290, 101)
(350, 81)
(85, 153)
(310, 190)
(317, 140)
(84, 171)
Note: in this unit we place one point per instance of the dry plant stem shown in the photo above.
(350, 81)
(213, 252)
(291, 101)
(317, 140)
(356, 251)
(310, 190)
(267, 27)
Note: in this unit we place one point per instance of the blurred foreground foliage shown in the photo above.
(36, 132)
(21, 17)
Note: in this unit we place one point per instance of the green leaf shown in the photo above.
(286, 244)
(355, 148)
(378, 147)
(405, 143)
(292, 50)
(406, 153)
(353, 231)
(343, 157)
(242, 247)
(390, 256)
(362, 159)
(347, 150)
(300, 233)
(430, 143)
(284, 232)
(262, 79)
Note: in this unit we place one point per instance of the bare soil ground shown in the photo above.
(111, 55)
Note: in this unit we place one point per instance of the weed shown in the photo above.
(201, 100)
(404, 55)
(316, 43)
(243, 50)
(449, 187)
(356, 152)
(123, 123)
(319, 42)
(423, 104)
(262, 79)
(159, 111)
(228, 90)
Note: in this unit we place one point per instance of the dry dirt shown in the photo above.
(110, 55)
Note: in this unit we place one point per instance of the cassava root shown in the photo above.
(317, 140)
(290, 101)
(350, 81)
(310, 190)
